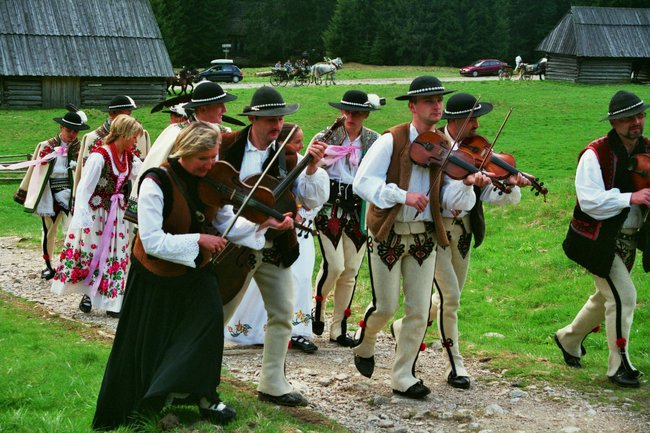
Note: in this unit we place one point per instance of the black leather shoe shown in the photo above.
(461, 382)
(343, 340)
(392, 331)
(366, 366)
(303, 344)
(218, 413)
(85, 305)
(317, 327)
(570, 360)
(288, 399)
(625, 379)
(418, 390)
(47, 274)
(113, 314)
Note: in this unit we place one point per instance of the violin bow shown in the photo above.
(487, 154)
(259, 181)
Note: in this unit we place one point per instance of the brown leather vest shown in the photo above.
(380, 221)
(179, 221)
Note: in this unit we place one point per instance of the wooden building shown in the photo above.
(599, 45)
(80, 51)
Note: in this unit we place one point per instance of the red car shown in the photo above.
(483, 67)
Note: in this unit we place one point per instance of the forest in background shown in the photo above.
(377, 32)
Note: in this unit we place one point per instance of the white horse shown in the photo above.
(327, 68)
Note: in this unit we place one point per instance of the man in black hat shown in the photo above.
(208, 104)
(47, 186)
(121, 104)
(339, 221)
(249, 151)
(604, 234)
(461, 224)
(405, 224)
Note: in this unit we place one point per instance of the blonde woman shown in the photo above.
(169, 341)
(95, 253)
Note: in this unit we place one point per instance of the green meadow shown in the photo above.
(520, 284)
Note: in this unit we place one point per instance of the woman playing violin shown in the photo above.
(169, 340)
(461, 222)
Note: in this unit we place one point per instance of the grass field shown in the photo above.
(520, 283)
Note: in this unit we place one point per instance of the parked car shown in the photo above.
(483, 67)
(221, 71)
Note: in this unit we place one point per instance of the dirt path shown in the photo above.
(330, 381)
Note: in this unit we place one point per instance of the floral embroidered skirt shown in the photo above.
(80, 246)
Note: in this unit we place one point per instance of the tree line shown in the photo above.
(379, 32)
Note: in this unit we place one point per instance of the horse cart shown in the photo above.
(505, 73)
(280, 77)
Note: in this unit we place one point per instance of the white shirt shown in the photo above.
(489, 194)
(310, 190)
(370, 183)
(595, 200)
(60, 169)
(184, 248)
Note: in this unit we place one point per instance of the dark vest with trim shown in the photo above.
(232, 150)
(177, 219)
(589, 242)
(380, 221)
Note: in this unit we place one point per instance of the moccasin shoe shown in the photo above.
(303, 344)
(570, 360)
(417, 390)
(85, 305)
(365, 366)
(288, 399)
(343, 340)
(625, 379)
(461, 382)
(218, 413)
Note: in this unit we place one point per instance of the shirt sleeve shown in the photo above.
(312, 190)
(489, 194)
(370, 180)
(243, 232)
(594, 199)
(182, 249)
(455, 195)
(92, 171)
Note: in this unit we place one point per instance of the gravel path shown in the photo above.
(330, 381)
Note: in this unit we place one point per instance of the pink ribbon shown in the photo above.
(58, 151)
(99, 258)
(334, 153)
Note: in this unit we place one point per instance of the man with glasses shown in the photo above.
(604, 234)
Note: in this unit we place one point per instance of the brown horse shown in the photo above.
(184, 78)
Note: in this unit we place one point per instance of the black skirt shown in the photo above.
(169, 339)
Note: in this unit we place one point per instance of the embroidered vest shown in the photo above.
(177, 219)
(589, 242)
(101, 197)
(380, 221)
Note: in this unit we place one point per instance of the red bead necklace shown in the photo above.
(120, 163)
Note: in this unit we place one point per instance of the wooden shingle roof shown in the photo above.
(601, 32)
(81, 38)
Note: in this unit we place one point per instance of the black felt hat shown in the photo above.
(624, 104)
(121, 102)
(72, 120)
(267, 102)
(354, 100)
(425, 85)
(208, 93)
(459, 106)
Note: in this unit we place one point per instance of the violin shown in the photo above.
(434, 148)
(221, 186)
(501, 164)
(640, 171)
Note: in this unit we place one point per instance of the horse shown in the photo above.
(327, 68)
(184, 78)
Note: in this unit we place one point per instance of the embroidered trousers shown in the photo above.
(338, 270)
(400, 261)
(276, 287)
(614, 302)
